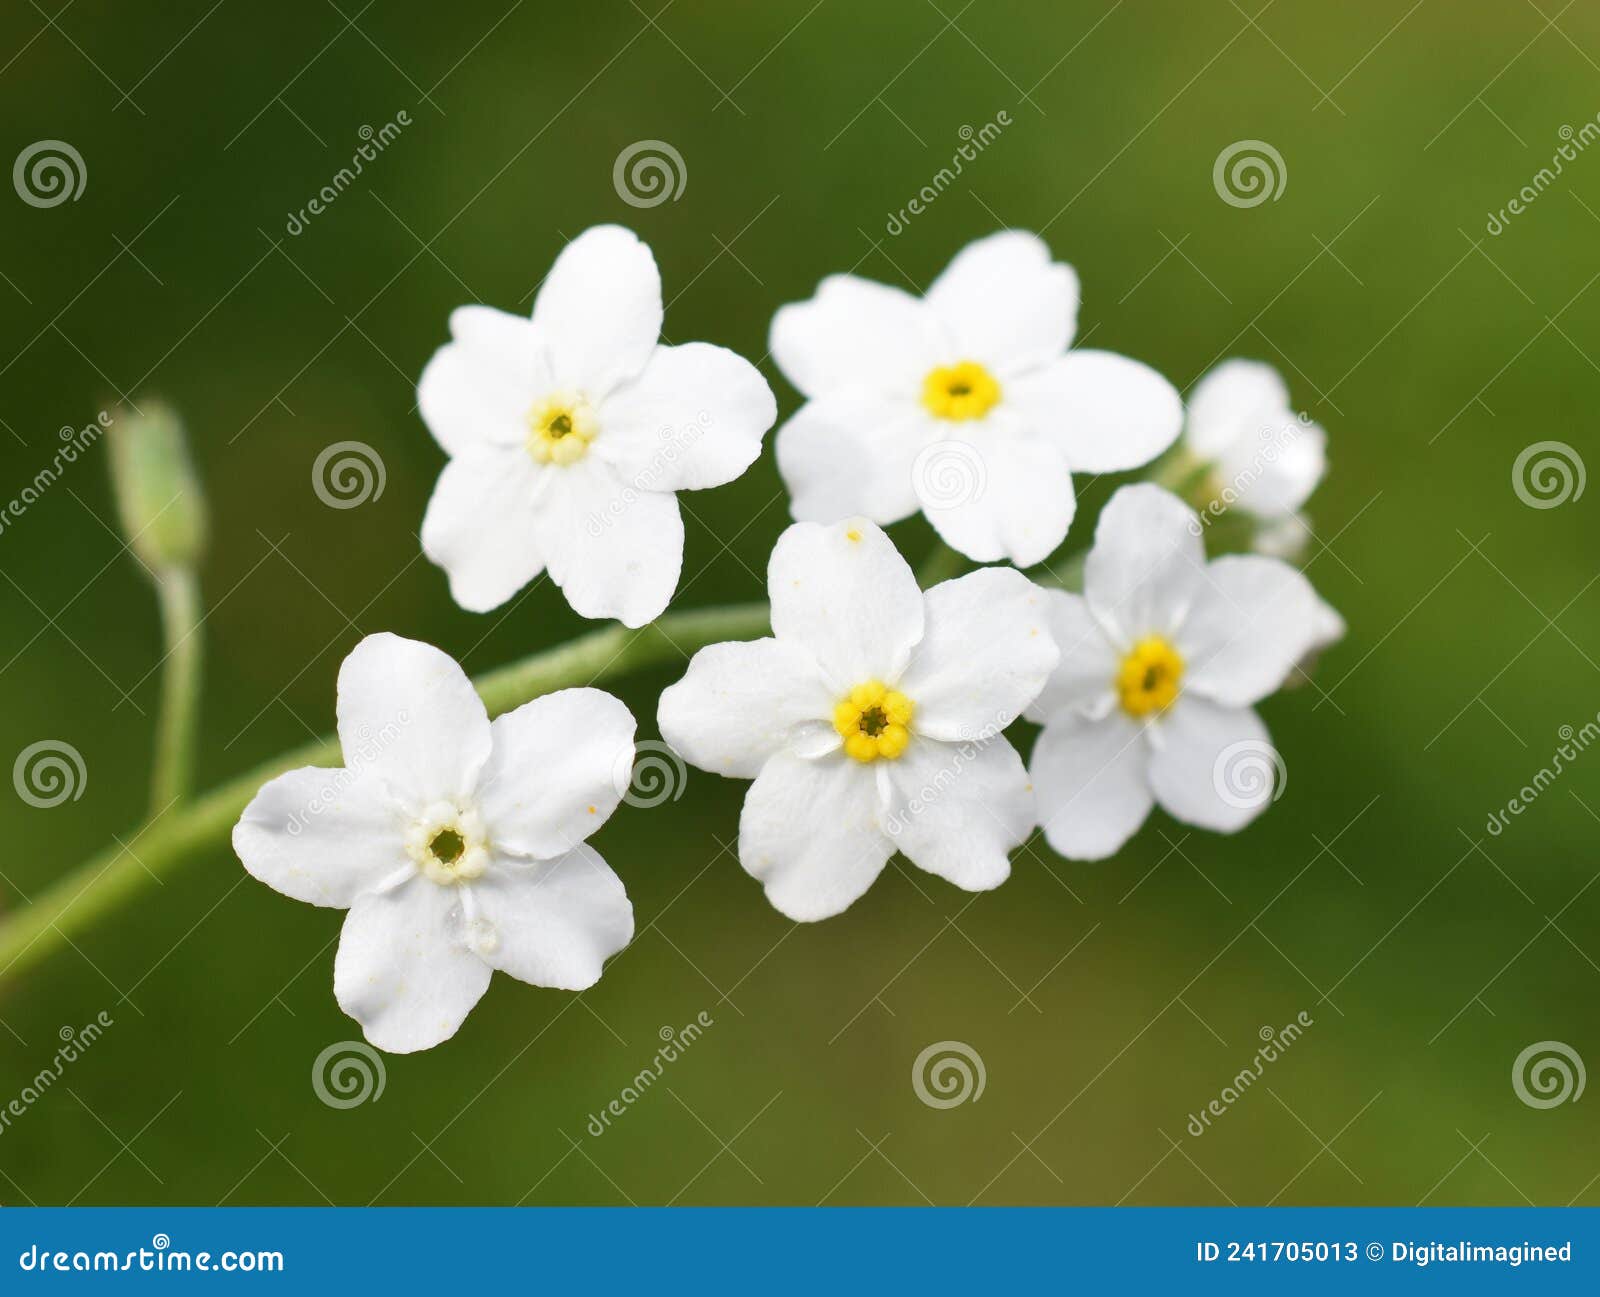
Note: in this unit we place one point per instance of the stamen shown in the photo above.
(873, 720)
(1150, 677)
(965, 390)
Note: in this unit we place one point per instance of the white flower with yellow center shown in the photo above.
(570, 433)
(1264, 457)
(456, 844)
(966, 404)
(1162, 659)
(870, 721)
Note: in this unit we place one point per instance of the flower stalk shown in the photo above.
(172, 773)
(105, 881)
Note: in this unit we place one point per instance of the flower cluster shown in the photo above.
(873, 719)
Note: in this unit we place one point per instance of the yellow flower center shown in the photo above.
(965, 390)
(872, 721)
(560, 429)
(1150, 677)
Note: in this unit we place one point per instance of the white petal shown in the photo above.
(1212, 766)
(857, 336)
(985, 655)
(739, 703)
(615, 551)
(959, 809)
(997, 495)
(553, 923)
(476, 390)
(811, 832)
(1084, 677)
(843, 593)
(559, 767)
(480, 529)
(1223, 402)
(1146, 566)
(408, 713)
(1273, 466)
(1090, 781)
(403, 970)
(851, 455)
(693, 418)
(323, 836)
(1253, 619)
(1006, 303)
(600, 310)
(1106, 412)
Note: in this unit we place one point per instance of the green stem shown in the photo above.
(104, 881)
(172, 775)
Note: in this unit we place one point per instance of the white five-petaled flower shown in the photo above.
(1162, 658)
(1264, 457)
(966, 404)
(456, 843)
(871, 719)
(570, 433)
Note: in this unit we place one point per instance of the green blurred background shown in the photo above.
(1108, 1002)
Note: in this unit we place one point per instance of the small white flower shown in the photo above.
(455, 843)
(1162, 658)
(569, 434)
(870, 721)
(1264, 457)
(966, 404)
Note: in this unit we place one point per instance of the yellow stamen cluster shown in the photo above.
(872, 721)
(560, 429)
(965, 390)
(1149, 678)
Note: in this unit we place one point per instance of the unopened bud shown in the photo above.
(162, 507)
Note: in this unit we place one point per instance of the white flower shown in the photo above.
(1162, 657)
(569, 433)
(965, 404)
(870, 721)
(1264, 457)
(455, 843)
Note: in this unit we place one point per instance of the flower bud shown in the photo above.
(162, 508)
